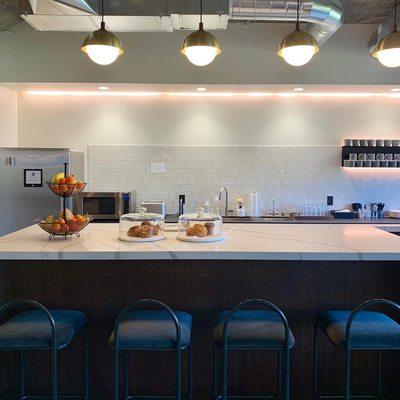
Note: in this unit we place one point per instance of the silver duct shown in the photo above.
(383, 30)
(9, 14)
(323, 17)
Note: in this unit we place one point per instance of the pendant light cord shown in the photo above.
(201, 15)
(298, 16)
(103, 25)
(395, 16)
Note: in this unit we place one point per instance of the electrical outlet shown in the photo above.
(329, 200)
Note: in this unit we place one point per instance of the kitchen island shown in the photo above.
(302, 268)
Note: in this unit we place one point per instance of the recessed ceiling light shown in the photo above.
(395, 90)
(103, 88)
(201, 89)
(298, 89)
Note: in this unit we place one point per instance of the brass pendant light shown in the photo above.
(201, 47)
(102, 46)
(387, 51)
(299, 47)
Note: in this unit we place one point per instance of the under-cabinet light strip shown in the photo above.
(89, 93)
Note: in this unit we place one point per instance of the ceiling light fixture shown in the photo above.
(387, 51)
(299, 47)
(201, 47)
(201, 89)
(298, 89)
(102, 46)
(103, 88)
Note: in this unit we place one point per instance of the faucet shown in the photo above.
(273, 206)
(224, 189)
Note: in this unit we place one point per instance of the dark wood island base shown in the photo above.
(201, 287)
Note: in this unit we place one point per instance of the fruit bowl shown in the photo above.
(55, 226)
(66, 189)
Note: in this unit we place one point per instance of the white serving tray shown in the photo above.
(141, 240)
(195, 239)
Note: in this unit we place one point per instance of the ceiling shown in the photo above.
(367, 11)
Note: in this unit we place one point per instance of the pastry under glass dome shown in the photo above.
(200, 227)
(141, 227)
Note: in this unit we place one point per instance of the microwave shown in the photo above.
(105, 206)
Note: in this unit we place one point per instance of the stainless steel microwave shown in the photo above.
(105, 206)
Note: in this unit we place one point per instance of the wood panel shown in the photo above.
(302, 289)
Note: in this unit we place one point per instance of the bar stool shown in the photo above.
(42, 329)
(357, 330)
(158, 330)
(256, 330)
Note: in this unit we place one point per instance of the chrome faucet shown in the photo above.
(273, 206)
(224, 189)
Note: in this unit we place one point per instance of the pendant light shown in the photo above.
(387, 51)
(201, 47)
(299, 47)
(102, 46)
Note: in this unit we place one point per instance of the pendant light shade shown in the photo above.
(299, 47)
(387, 51)
(102, 46)
(201, 47)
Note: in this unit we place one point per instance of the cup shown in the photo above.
(375, 164)
(367, 164)
(364, 142)
(371, 156)
(388, 157)
(396, 157)
(356, 142)
(348, 142)
(384, 164)
(349, 163)
(396, 143)
(388, 142)
(393, 164)
(360, 163)
(371, 142)
(362, 156)
(353, 156)
(380, 156)
(380, 143)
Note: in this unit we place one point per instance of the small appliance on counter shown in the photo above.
(200, 227)
(156, 207)
(106, 206)
(141, 227)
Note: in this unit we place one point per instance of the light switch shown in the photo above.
(158, 168)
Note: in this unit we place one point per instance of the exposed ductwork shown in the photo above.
(323, 17)
(9, 14)
(383, 30)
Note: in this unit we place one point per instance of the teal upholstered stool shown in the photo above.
(258, 330)
(42, 329)
(357, 330)
(158, 330)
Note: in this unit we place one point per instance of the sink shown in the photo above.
(234, 219)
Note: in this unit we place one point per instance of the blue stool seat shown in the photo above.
(370, 330)
(253, 329)
(32, 329)
(153, 329)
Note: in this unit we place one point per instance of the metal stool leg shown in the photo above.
(315, 365)
(379, 375)
(21, 375)
(347, 374)
(178, 374)
(215, 370)
(116, 373)
(190, 382)
(279, 375)
(126, 374)
(225, 374)
(54, 373)
(287, 374)
(86, 367)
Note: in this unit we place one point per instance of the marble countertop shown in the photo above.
(242, 241)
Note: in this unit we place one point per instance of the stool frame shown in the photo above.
(54, 349)
(283, 356)
(178, 349)
(347, 349)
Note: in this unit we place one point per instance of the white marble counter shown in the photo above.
(242, 241)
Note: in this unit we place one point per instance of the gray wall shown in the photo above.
(249, 57)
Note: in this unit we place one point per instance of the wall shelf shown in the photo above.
(347, 150)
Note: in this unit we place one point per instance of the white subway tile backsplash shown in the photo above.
(291, 174)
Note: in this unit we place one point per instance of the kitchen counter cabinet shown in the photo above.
(303, 269)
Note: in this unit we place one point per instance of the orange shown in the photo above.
(79, 185)
(62, 181)
(70, 179)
